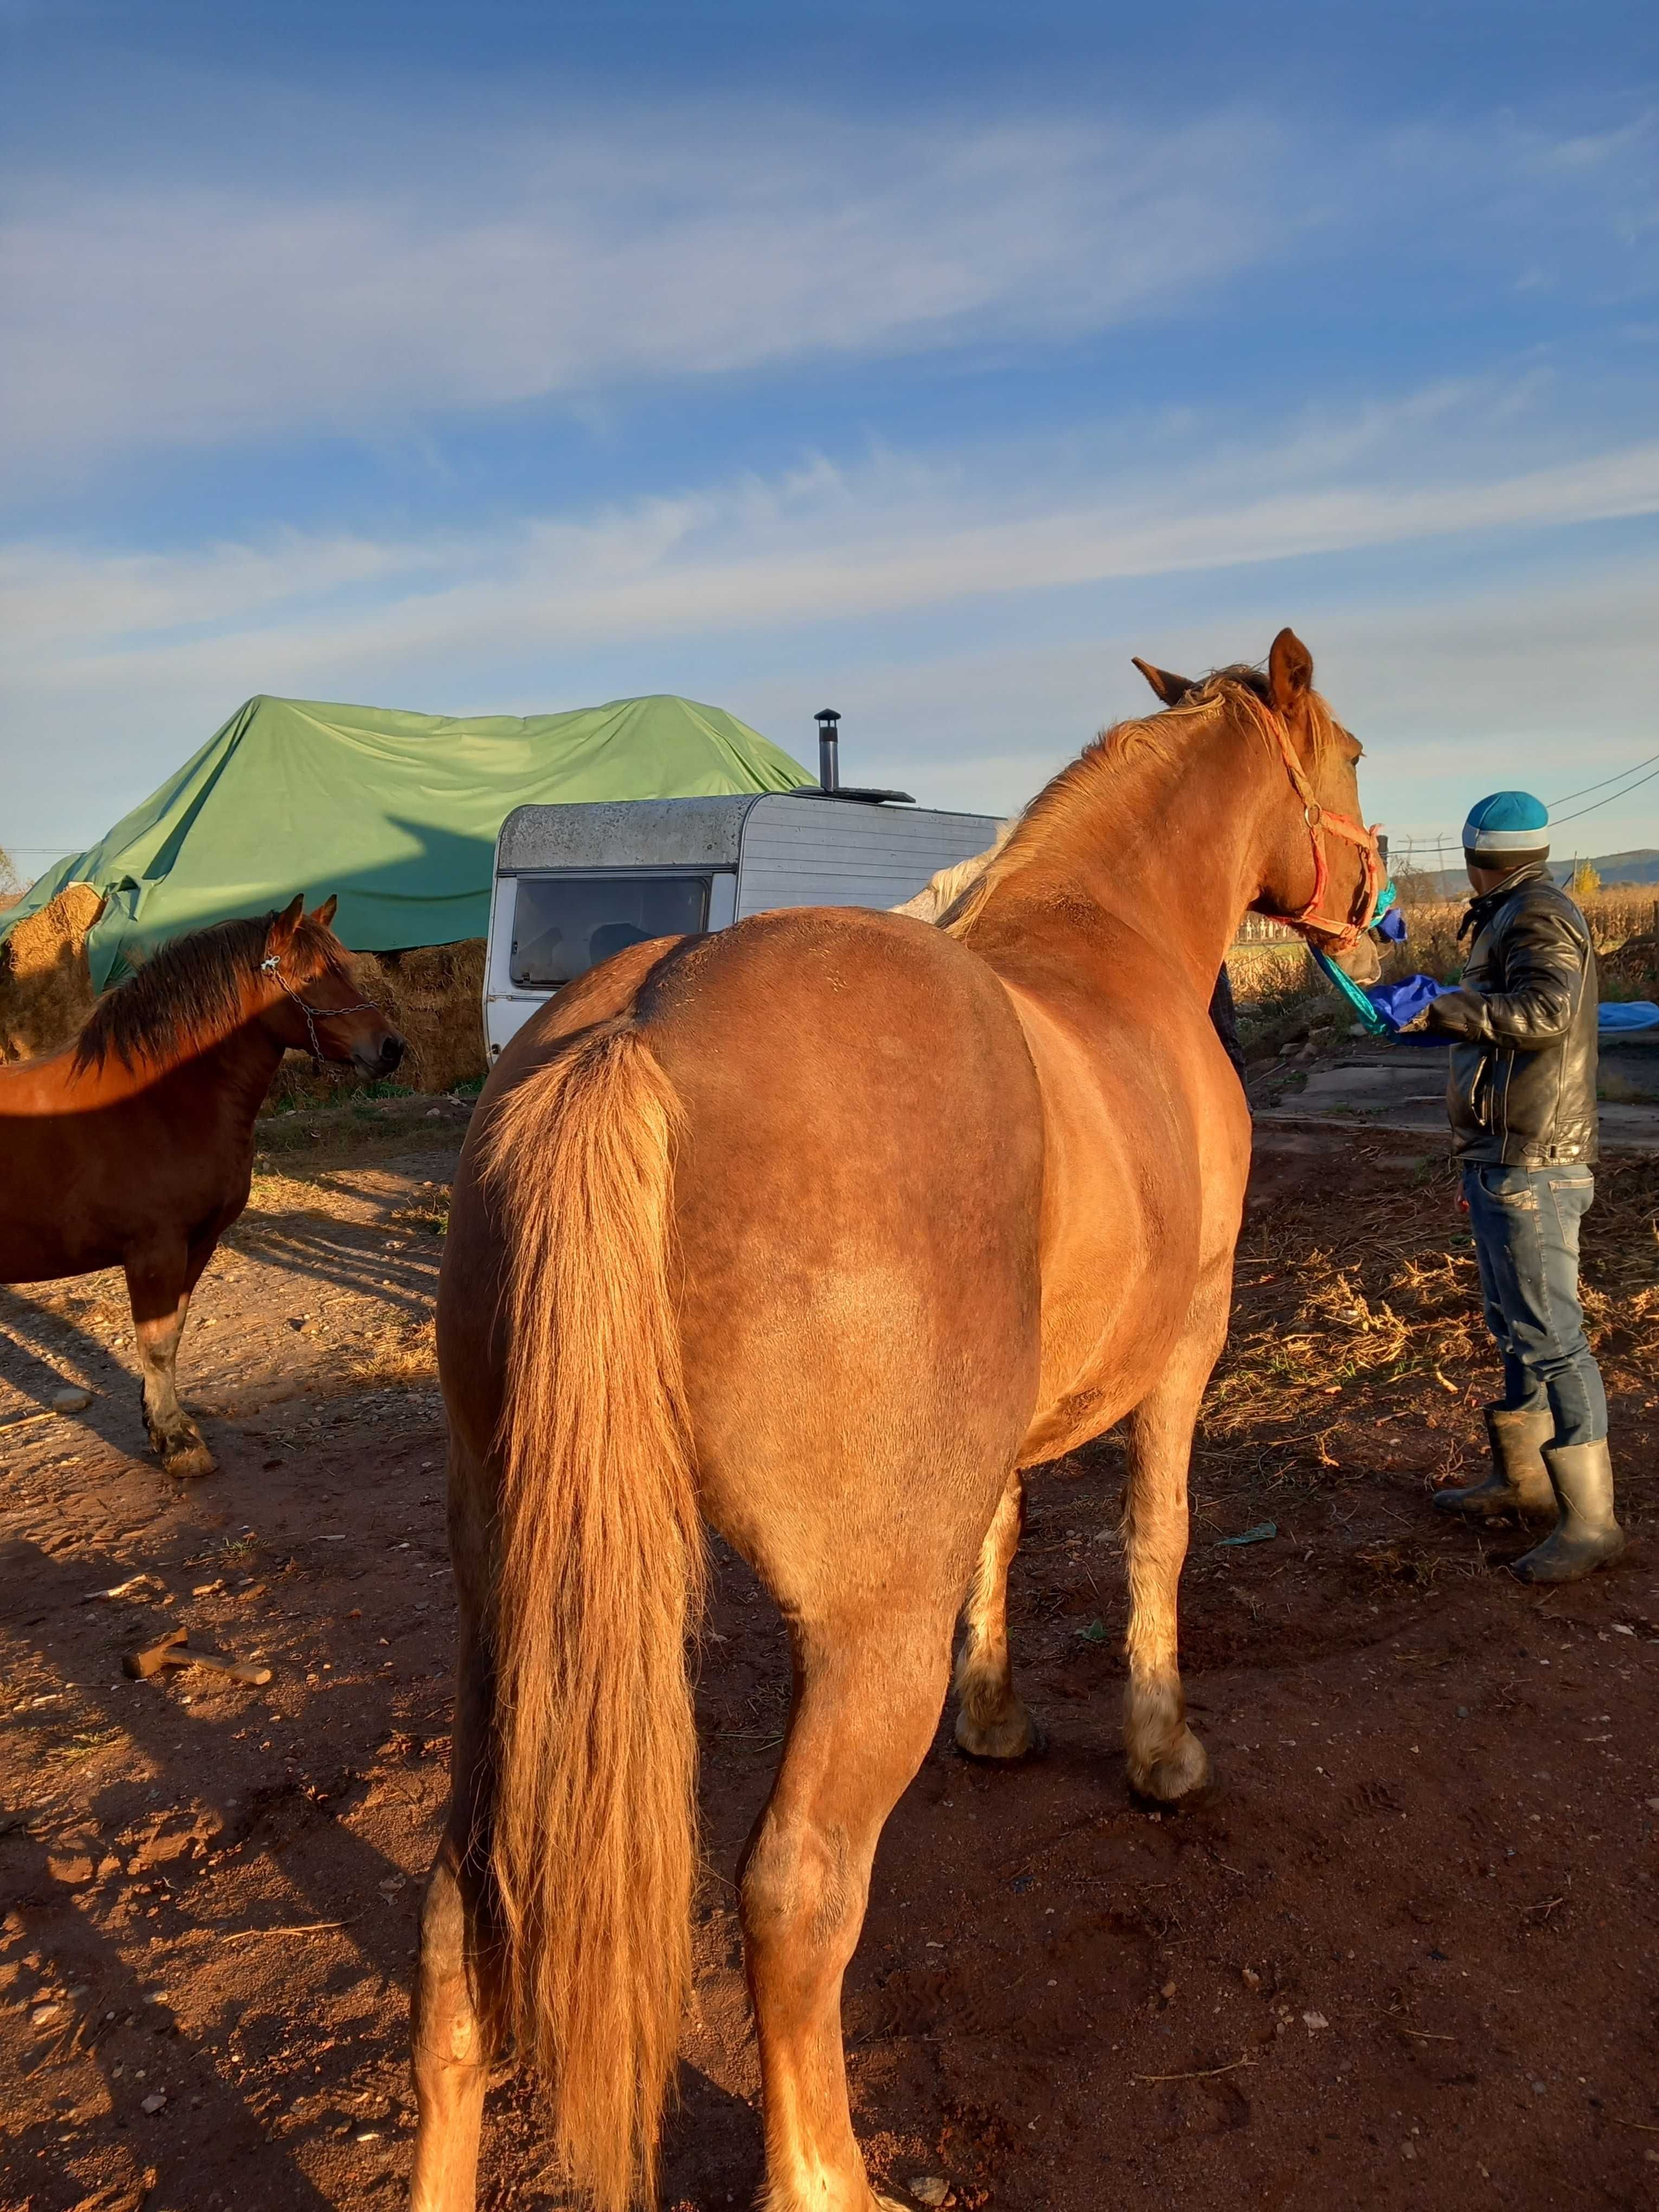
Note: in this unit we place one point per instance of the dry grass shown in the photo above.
(1280, 995)
(1622, 924)
(400, 1354)
(1276, 989)
(1396, 1307)
(1357, 1306)
(1269, 974)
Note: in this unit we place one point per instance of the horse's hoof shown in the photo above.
(1177, 1780)
(190, 1462)
(1015, 1736)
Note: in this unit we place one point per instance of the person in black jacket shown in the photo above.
(1224, 1017)
(1522, 1096)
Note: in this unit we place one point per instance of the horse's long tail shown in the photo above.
(601, 1563)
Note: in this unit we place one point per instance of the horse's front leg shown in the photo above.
(159, 1282)
(1166, 1759)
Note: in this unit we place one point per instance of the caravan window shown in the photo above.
(564, 925)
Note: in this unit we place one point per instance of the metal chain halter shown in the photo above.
(272, 966)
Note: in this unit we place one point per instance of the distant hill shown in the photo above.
(1614, 868)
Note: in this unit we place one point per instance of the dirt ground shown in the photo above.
(1403, 1956)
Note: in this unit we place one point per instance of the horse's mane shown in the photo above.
(190, 991)
(1075, 790)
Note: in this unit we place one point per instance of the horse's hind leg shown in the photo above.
(867, 1700)
(991, 1722)
(160, 1280)
(454, 2024)
(1166, 1759)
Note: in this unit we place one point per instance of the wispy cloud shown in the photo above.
(154, 648)
(1542, 682)
(465, 270)
(496, 273)
(822, 543)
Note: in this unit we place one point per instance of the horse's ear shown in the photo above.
(1290, 671)
(284, 924)
(325, 914)
(1171, 689)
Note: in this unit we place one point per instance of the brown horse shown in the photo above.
(133, 1146)
(822, 1229)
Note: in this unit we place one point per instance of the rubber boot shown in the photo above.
(1519, 1481)
(1587, 1536)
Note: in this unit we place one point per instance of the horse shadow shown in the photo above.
(711, 2144)
(46, 1856)
(712, 2147)
(43, 1351)
(347, 1256)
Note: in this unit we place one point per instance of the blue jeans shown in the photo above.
(1526, 1238)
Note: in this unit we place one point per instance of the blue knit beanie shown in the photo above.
(1507, 823)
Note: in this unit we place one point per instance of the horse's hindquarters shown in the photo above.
(857, 1189)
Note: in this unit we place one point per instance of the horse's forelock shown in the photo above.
(316, 951)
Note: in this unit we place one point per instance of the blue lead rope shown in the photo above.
(1374, 1023)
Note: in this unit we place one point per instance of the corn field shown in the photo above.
(1622, 924)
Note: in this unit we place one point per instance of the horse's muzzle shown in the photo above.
(385, 1062)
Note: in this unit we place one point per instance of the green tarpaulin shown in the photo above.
(396, 813)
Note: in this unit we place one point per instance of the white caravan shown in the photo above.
(575, 883)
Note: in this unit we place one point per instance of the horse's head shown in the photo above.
(313, 1005)
(1321, 869)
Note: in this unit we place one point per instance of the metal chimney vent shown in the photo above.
(829, 785)
(829, 722)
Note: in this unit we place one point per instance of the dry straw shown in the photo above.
(46, 987)
(1380, 1292)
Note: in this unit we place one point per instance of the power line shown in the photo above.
(1441, 842)
(1606, 780)
(1611, 800)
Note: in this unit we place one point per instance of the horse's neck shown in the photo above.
(225, 1077)
(240, 1065)
(1163, 835)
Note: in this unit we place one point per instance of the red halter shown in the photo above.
(1343, 935)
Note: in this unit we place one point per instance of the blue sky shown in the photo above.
(928, 361)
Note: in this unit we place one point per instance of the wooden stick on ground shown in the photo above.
(1199, 2073)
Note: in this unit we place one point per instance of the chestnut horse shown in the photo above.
(822, 1229)
(133, 1146)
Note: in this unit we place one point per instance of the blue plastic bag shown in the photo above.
(1403, 1002)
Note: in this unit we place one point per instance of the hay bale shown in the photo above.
(434, 995)
(46, 984)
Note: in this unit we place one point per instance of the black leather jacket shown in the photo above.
(1521, 1087)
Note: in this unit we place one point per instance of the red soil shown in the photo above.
(1403, 1956)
